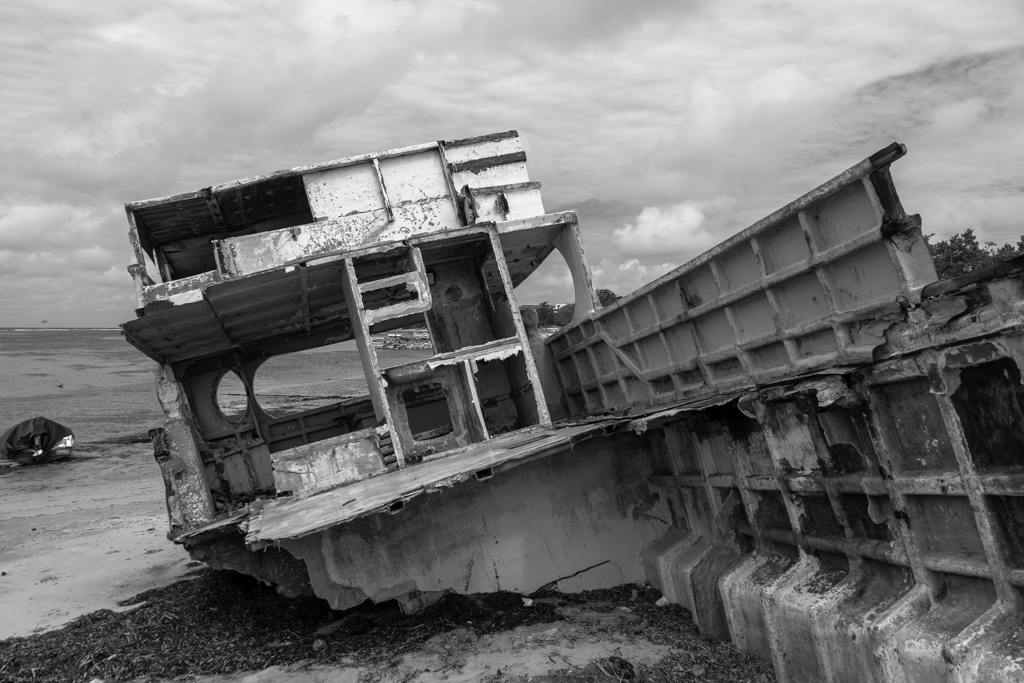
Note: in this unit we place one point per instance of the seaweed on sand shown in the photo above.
(220, 622)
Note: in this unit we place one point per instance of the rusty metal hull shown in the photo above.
(799, 436)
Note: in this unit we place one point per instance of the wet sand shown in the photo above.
(82, 534)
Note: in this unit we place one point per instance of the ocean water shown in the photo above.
(94, 382)
(89, 380)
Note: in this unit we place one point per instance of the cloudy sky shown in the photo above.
(668, 125)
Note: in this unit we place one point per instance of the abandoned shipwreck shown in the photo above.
(801, 436)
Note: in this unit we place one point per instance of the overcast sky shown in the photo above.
(667, 125)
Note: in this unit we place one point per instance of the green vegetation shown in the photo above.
(607, 297)
(962, 253)
(556, 315)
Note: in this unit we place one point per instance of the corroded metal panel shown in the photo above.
(289, 216)
(813, 285)
(345, 191)
(875, 513)
(254, 253)
(821, 459)
(322, 465)
(486, 161)
(497, 203)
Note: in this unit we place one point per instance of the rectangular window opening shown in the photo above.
(469, 303)
(427, 408)
(311, 395)
(506, 395)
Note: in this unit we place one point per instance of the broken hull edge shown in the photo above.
(576, 520)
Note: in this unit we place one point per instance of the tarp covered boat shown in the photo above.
(34, 441)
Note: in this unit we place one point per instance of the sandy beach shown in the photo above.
(82, 534)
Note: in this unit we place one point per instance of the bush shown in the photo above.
(962, 253)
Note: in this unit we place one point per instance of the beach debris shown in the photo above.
(661, 602)
(36, 441)
(403, 339)
(617, 668)
(249, 619)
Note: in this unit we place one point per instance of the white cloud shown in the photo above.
(958, 117)
(627, 276)
(674, 230)
(662, 110)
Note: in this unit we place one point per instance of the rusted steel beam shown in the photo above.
(813, 285)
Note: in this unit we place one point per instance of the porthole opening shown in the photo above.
(427, 408)
(231, 398)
